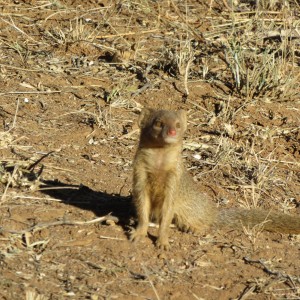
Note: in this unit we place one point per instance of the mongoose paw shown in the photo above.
(188, 229)
(137, 236)
(162, 244)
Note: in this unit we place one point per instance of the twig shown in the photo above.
(247, 292)
(197, 35)
(186, 75)
(125, 34)
(151, 283)
(196, 296)
(261, 262)
(36, 92)
(21, 69)
(12, 24)
(59, 168)
(8, 184)
(15, 117)
(59, 188)
(281, 161)
(36, 198)
(129, 134)
(110, 238)
(95, 266)
(142, 89)
(40, 226)
(268, 271)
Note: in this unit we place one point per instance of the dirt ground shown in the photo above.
(74, 76)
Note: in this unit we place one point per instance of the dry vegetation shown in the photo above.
(74, 75)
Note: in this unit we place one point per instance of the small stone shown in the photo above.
(162, 256)
(110, 222)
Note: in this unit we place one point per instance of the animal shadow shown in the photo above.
(83, 197)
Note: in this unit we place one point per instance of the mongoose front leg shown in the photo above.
(141, 198)
(167, 213)
(162, 241)
(143, 211)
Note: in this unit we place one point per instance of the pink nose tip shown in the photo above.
(172, 132)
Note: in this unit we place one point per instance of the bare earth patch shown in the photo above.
(74, 76)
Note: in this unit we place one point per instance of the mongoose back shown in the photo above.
(164, 191)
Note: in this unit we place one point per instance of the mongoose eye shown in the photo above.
(178, 125)
(158, 124)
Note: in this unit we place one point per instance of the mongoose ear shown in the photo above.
(183, 117)
(144, 116)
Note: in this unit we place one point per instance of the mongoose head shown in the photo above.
(162, 127)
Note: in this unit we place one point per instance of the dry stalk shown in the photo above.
(12, 24)
(9, 182)
(254, 232)
(27, 93)
(269, 271)
(41, 226)
(183, 19)
(125, 34)
(151, 283)
(33, 295)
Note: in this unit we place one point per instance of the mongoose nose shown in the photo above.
(172, 132)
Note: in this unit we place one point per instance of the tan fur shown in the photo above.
(164, 191)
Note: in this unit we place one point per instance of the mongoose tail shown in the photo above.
(236, 218)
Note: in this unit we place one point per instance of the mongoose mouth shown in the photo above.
(171, 139)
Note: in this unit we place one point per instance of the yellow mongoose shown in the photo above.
(163, 190)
